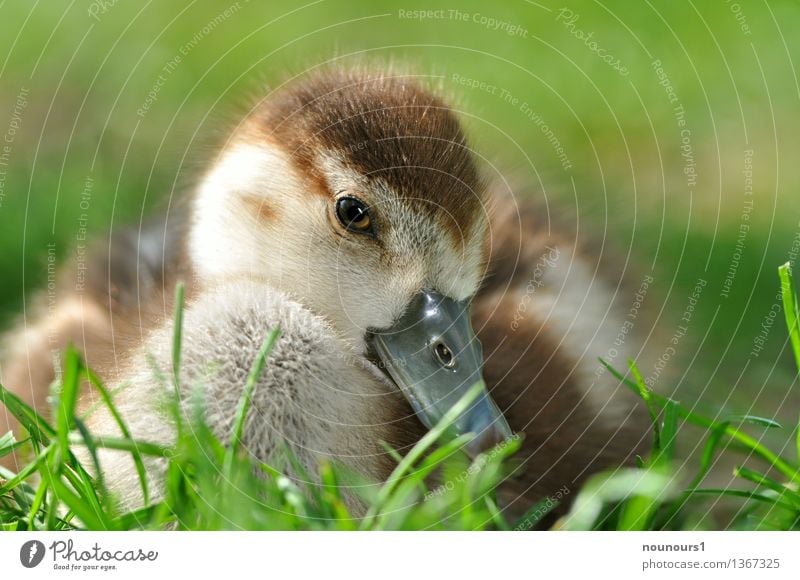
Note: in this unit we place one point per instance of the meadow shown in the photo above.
(214, 485)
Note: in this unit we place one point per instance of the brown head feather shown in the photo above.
(388, 127)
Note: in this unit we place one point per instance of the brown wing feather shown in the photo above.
(534, 374)
(104, 306)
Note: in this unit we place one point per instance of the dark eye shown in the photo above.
(354, 215)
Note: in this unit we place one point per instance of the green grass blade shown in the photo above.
(68, 396)
(136, 454)
(36, 505)
(88, 441)
(792, 314)
(709, 452)
(419, 450)
(177, 336)
(669, 432)
(647, 396)
(790, 309)
(252, 379)
(140, 518)
(607, 488)
(772, 500)
(497, 516)
(24, 473)
(754, 420)
(75, 503)
(246, 398)
(765, 481)
(391, 451)
(9, 444)
(536, 513)
(82, 482)
(126, 444)
(732, 431)
(412, 484)
(36, 426)
(301, 474)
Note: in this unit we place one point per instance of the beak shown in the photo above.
(434, 357)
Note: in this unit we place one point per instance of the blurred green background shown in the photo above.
(580, 101)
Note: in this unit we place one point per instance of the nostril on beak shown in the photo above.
(444, 355)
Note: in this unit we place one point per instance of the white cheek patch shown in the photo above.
(225, 239)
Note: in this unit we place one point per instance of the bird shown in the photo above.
(348, 209)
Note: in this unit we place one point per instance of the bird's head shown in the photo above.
(356, 193)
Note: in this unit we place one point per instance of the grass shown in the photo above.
(212, 486)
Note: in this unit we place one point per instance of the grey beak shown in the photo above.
(434, 357)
